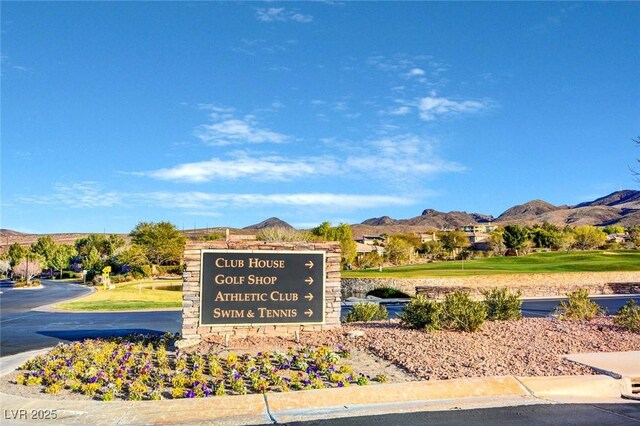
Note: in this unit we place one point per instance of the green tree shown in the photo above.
(341, 233)
(45, 247)
(135, 256)
(17, 253)
(62, 257)
(348, 246)
(634, 235)
(163, 243)
(97, 241)
(545, 238)
(323, 231)
(432, 248)
(92, 261)
(398, 250)
(113, 244)
(514, 237)
(453, 240)
(588, 237)
(496, 243)
(613, 229)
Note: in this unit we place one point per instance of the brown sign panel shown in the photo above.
(262, 287)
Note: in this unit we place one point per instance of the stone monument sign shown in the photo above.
(255, 287)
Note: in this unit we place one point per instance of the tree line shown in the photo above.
(508, 240)
(155, 248)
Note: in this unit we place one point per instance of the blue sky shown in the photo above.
(224, 114)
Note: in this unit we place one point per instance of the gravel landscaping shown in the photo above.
(528, 347)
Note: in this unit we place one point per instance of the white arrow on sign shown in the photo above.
(309, 281)
(309, 312)
(309, 297)
(309, 264)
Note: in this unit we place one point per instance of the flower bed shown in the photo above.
(141, 367)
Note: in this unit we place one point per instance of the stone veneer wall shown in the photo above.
(531, 285)
(192, 332)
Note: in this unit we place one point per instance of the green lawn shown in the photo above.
(593, 261)
(146, 294)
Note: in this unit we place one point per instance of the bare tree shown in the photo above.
(28, 268)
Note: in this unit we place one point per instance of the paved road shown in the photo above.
(21, 300)
(22, 329)
(544, 414)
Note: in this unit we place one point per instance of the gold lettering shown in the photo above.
(257, 280)
(221, 262)
(222, 279)
(266, 263)
(241, 297)
(283, 297)
(228, 313)
(277, 313)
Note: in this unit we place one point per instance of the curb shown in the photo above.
(438, 395)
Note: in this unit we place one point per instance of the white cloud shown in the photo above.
(85, 194)
(89, 195)
(431, 107)
(243, 166)
(401, 110)
(226, 130)
(401, 158)
(415, 72)
(280, 14)
(202, 200)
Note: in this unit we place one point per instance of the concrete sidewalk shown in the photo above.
(438, 395)
(615, 364)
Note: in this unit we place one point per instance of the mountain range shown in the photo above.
(618, 208)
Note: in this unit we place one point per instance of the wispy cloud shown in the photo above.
(431, 107)
(415, 72)
(322, 199)
(243, 166)
(226, 130)
(399, 158)
(91, 195)
(280, 14)
(86, 194)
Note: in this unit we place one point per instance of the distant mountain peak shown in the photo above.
(272, 222)
(614, 199)
(529, 209)
(379, 221)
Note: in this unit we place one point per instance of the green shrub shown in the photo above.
(421, 312)
(146, 270)
(388, 293)
(501, 304)
(628, 317)
(367, 311)
(461, 313)
(579, 306)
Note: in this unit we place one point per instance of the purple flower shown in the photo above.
(237, 376)
(93, 379)
(340, 384)
(190, 394)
